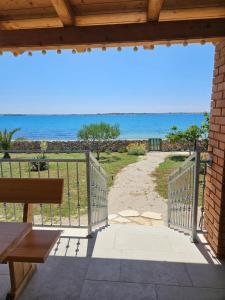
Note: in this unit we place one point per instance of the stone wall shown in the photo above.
(168, 146)
(76, 146)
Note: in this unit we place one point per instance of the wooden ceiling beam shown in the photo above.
(64, 11)
(95, 36)
(192, 13)
(153, 10)
(50, 19)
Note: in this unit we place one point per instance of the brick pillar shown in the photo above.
(215, 179)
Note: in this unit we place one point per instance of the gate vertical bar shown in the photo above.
(88, 174)
(169, 205)
(195, 200)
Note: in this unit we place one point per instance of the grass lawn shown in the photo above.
(114, 162)
(74, 175)
(163, 171)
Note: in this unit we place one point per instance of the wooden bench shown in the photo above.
(23, 249)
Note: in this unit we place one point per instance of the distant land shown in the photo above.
(106, 114)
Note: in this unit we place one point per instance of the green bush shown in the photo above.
(39, 166)
(136, 149)
(122, 150)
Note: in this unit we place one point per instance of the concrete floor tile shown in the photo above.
(126, 262)
(104, 269)
(189, 293)
(70, 247)
(163, 256)
(105, 240)
(92, 290)
(4, 269)
(60, 277)
(63, 291)
(133, 240)
(207, 275)
(106, 253)
(4, 286)
(154, 272)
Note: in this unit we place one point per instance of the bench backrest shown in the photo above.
(31, 190)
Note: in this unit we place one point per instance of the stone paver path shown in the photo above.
(133, 188)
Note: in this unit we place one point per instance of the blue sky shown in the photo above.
(174, 79)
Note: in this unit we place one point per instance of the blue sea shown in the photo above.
(65, 127)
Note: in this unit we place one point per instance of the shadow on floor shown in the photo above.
(107, 267)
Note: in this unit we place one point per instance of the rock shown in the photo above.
(112, 216)
(121, 220)
(157, 222)
(152, 215)
(129, 213)
(141, 221)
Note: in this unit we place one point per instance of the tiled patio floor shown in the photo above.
(132, 262)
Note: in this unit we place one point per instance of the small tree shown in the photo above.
(175, 135)
(6, 141)
(98, 133)
(205, 125)
(205, 129)
(192, 135)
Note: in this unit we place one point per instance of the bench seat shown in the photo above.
(23, 247)
(34, 247)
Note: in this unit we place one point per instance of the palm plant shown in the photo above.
(6, 141)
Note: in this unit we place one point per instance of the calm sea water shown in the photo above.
(65, 127)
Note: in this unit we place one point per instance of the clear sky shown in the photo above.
(174, 79)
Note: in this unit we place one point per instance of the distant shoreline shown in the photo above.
(105, 114)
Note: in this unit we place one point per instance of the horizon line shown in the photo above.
(96, 114)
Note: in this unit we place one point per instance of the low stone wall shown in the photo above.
(113, 146)
(76, 146)
(168, 146)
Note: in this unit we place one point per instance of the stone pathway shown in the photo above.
(132, 198)
(133, 216)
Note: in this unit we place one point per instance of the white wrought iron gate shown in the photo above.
(183, 192)
(97, 193)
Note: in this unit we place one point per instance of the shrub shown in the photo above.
(122, 150)
(39, 166)
(136, 149)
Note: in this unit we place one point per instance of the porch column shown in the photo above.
(215, 179)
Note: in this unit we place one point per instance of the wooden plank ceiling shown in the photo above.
(29, 15)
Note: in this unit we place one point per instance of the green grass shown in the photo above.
(114, 162)
(163, 171)
(111, 162)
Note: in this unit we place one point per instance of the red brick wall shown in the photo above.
(215, 180)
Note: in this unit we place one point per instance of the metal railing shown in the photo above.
(97, 193)
(85, 191)
(183, 191)
(186, 189)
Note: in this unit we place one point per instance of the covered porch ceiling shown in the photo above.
(83, 24)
